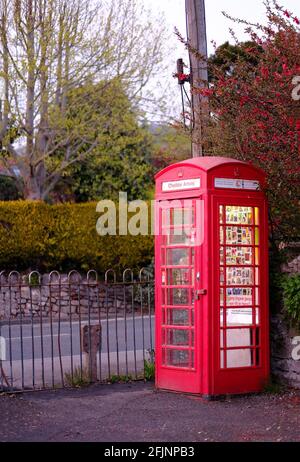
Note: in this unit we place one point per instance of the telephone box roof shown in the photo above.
(206, 164)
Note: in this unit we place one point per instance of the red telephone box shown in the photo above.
(211, 262)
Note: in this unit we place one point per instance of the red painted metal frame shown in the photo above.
(207, 377)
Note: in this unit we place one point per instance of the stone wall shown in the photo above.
(64, 299)
(283, 366)
(293, 267)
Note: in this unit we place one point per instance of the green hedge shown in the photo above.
(291, 299)
(36, 235)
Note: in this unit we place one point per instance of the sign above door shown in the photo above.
(181, 185)
(231, 183)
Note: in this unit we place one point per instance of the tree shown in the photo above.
(171, 144)
(254, 117)
(104, 177)
(227, 56)
(50, 48)
(120, 161)
(8, 189)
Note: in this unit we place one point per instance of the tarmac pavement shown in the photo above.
(136, 412)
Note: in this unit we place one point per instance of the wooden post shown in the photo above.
(196, 34)
(91, 341)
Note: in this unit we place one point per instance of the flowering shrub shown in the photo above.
(254, 116)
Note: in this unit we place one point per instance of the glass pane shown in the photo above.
(178, 297)
(178, 257)
(221, 235)
(177, 337)
(163, 297)
(239, 296)
(166, 217)
(238, 358)
(181, 216)
(239, 215)
(238, 317)
(257, 256)
(256, 236)
(239, 256)
(239, 235)
(236, 276)
(257, 278)
(177, 217)
(179, 277)
(185, 236)
(256, 211)
(222, 276)
(222, 363)
(221, 317)
(239, 338)
(222, 297)
(192, 359)
(221, 213)
(179, 358)
(163, 257)
(222, 256)
(178, 318)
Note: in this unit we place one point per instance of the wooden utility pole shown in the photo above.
(196, 34)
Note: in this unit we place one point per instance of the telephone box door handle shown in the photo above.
(200, 292)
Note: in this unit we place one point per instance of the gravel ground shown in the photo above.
(137, 412)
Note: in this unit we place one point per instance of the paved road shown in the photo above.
(33, 358)
(30, 341)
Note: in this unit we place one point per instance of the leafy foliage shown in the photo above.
(170, 144)
(227, 56)
(120, 160)
(8, 189)
(54, 53)
(291, 299)
(40, 236)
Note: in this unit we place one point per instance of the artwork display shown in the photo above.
(236, 276)
(237, 235)
(239, 215)
(239, 256)
(237, 296)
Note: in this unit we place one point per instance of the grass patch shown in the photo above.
(120, 379)
(149, 366)
(149, 369)
(79, 378)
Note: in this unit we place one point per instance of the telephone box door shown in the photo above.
(178, 329)
(241, 317)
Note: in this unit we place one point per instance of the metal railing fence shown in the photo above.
(69, 330)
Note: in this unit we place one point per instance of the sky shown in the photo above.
(217, 27)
